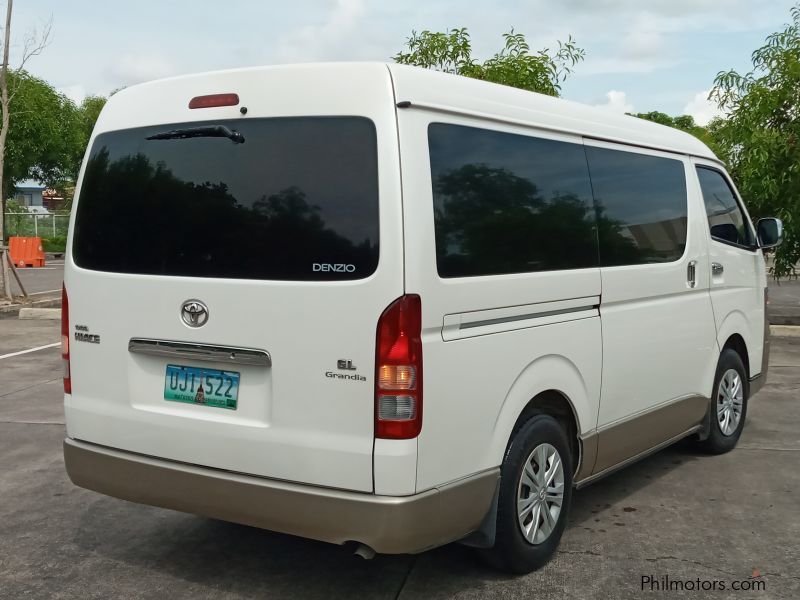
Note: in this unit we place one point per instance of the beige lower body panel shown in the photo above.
(391, 525)
(757, 382)
(620, 443)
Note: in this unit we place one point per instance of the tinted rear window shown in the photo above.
(641, 206)
(507, 203)
(298, 200)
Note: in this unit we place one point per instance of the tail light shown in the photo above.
(65, 339)
(398, 370)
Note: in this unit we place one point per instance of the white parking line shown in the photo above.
(45, 292)
(12, 354)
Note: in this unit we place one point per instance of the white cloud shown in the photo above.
(724, 13)
(617, 102)
(702, 109)
(644, 38)
(643, 48)
(76, 92)
(321, 41)
(135, 68)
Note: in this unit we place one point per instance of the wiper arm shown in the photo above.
(194, 132)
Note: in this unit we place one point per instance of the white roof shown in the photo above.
(446, 92)
(360, 85)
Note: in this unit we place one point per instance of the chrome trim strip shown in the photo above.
(536, 315)
(522, 316)
(205, 352)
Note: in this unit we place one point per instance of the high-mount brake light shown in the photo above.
(213, 100)
(398, 370)
(65, 340)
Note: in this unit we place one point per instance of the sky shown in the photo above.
(641, 55)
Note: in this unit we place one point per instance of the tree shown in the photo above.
(686, 123)
(542, 71)
(46, 138)
(90, 109)
(32, 46)
(760, 139)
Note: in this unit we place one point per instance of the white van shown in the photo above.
(374, 304)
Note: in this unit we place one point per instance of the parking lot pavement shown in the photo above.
(784, 302)
(677, 514)
(41, 279)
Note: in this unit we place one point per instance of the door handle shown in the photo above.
(717, 269)
(691, 273)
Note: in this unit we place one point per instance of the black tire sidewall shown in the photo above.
(513, 551)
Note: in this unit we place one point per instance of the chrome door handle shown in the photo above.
(691, 273)
(717, 269)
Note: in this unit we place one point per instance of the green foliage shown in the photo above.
(47, 135)
(760, 138)
(515, 65)
(13, 206)
(89, 110)
(55, 244)
(686, 123)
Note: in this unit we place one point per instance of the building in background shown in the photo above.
(29, 193)
(37, 198)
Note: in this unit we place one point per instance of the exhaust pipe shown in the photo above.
(365, 552)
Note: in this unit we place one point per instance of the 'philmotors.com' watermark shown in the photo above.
(665, 583)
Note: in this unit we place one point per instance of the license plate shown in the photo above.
(207, 387)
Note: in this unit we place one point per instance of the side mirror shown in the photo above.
(770, 232)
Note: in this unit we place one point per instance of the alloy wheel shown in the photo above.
(540, 493)
(730, 400)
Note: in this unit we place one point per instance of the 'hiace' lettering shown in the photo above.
(336, 268)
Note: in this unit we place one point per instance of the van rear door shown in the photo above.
(234, 267)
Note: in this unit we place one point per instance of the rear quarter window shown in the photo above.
(298, 200)
(508, 203)
(641, 205)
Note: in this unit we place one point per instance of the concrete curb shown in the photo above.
(784, 331)
(12, 311)
(793, 320)
(45, 314)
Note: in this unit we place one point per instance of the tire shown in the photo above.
(540, 440)
(730, 395)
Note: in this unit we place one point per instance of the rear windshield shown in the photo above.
(281, 198)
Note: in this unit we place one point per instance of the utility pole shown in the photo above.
(5, 282)
(33, 46)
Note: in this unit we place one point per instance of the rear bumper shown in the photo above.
(388, 524)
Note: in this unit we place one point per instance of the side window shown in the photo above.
(641, 206)
(507, 203)
(725, 218)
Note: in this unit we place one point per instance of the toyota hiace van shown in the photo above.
(379, 305)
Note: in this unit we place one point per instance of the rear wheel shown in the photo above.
(534, 499)
(728, 405)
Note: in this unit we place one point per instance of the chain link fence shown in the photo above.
(49, 226)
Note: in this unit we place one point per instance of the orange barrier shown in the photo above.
(26, 251)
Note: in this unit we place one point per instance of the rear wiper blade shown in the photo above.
(194, 132)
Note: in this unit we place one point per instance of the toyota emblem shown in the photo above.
(194, 313)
